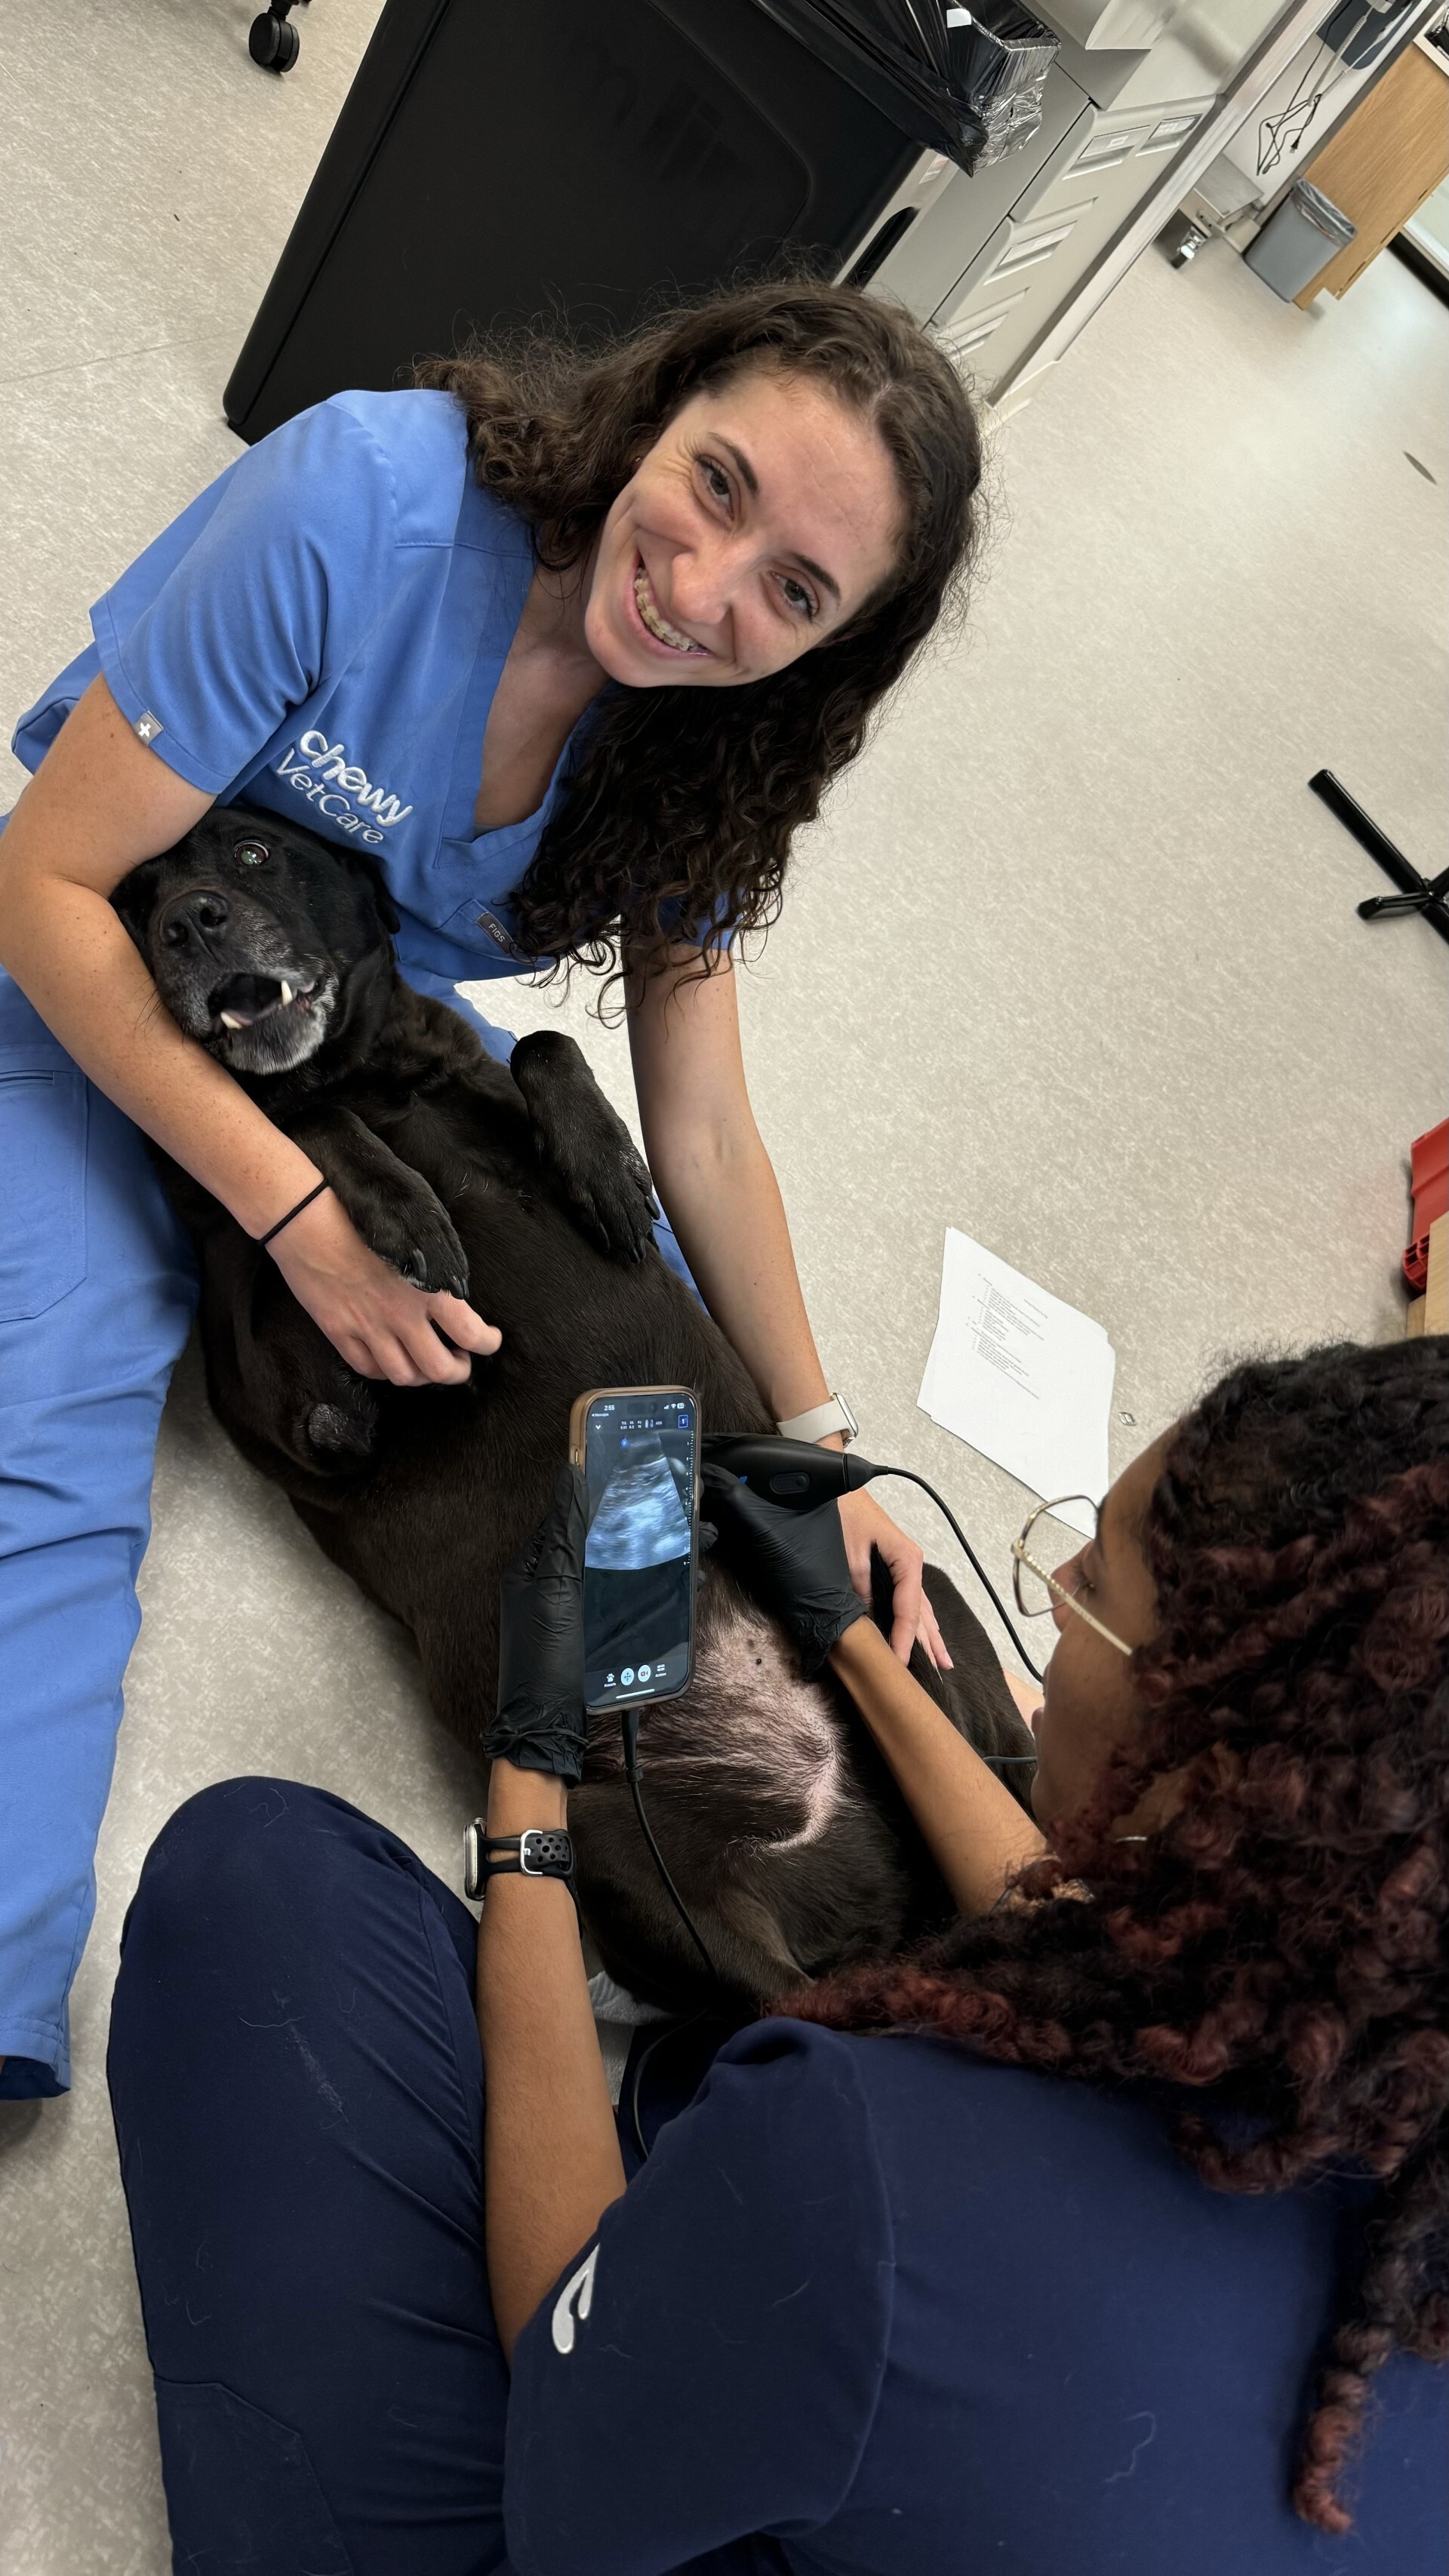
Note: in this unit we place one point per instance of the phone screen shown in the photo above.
(639, 1459)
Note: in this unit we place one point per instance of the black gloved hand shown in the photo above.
(540, 1723)
(793, 1562)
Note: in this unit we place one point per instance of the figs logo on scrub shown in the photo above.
(317, 769)
(574, 2299)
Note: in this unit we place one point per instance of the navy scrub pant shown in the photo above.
(297, 2084)
(298, 2094)
(97, 1291)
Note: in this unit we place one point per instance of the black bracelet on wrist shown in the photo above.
(541, 1852)
(274, 1230)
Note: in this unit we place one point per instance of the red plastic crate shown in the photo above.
(1429, 1183)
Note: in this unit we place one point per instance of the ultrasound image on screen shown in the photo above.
(639, 1466)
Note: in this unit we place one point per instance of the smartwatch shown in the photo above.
(543, 1852)
(820, 1421)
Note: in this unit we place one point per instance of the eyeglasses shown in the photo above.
(1037, 1591)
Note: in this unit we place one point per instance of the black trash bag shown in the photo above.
(965, 81)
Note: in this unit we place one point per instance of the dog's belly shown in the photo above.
(782, 1853)
(764, 1818)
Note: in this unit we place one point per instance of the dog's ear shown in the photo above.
(134, 900)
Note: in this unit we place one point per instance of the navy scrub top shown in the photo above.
(321, 634)
(892, 2309)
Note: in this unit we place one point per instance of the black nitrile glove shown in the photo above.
(793, 1562)
(540, 1723)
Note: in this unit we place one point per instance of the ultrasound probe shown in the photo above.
(799, 1476)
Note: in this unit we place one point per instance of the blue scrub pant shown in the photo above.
(97, 1291)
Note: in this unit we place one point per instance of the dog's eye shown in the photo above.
(251, 854)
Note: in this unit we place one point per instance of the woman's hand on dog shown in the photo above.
(865, 1527)
(793, 1562)
(812, 1569)
(381, 1324)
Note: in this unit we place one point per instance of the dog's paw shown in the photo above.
(418, 1239)
(343, 1433)
(615, 1205)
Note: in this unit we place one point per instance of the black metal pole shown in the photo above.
(1424, 895)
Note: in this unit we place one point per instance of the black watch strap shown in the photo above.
(544, 1851)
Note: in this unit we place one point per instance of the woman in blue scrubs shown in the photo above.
(570, 649)
(1109, 2233)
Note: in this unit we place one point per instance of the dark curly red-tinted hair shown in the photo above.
(1279, 1947)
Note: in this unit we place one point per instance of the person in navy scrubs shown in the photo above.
(570, 649)
(1108, 2233)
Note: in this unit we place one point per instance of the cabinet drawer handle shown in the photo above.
(1026, 254)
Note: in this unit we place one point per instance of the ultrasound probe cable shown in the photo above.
(631, 1717)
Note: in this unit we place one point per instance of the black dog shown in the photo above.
(780, 1824)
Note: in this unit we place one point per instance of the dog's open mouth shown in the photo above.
(242, 1000)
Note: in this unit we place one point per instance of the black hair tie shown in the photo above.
(274, 1230)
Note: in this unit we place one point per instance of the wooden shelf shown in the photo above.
(1383, 162)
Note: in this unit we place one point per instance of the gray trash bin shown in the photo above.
(1304, 235)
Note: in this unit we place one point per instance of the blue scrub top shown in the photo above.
(321, 634)
(894, 2311)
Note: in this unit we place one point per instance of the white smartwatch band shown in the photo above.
(819, 1421)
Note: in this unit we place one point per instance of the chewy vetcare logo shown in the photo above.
(318, 769)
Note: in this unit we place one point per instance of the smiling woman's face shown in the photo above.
(1091, 1707)
(759, 523)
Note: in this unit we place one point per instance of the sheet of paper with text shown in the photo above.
(1020, 1376)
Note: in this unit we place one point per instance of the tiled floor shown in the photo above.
(1072, 962)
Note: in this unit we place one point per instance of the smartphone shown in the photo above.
(638, 1447)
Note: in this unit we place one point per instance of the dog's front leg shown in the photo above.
(395, 1211)
(585, 1144)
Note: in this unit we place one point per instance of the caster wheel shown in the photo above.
(273, 43)
(1188, 248)
(1180, 241)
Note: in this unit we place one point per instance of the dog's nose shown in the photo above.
(191, 916)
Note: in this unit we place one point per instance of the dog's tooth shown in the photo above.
(287, 995)
(232, 1020)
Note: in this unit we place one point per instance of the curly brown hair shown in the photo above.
(1280, 1945)
(685, 801)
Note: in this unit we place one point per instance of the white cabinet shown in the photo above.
(1008, 296)
(1108, 24)
(948, 234)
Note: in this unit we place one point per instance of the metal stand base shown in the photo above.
(1426, 895)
